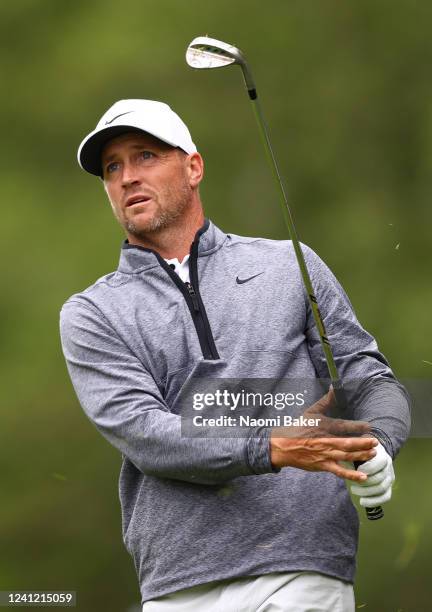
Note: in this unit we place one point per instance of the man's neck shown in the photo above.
(173, 241)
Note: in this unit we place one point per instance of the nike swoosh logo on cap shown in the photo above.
(240, 281)
(117, 116)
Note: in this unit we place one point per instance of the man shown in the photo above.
(260, 522)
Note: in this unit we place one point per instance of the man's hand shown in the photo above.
(377, 489)
(320, 447)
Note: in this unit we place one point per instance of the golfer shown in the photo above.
(222, 523)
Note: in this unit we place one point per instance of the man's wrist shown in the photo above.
(382, 438)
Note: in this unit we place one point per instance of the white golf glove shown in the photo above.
(377, 489)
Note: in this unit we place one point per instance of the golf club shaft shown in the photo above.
(286, 211)
(372, 513)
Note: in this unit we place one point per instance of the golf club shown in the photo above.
(204, 52)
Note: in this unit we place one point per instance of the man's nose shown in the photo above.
(129, 175)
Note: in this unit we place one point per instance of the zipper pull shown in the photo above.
(192, 293)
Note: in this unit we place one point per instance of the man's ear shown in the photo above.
(195, 169)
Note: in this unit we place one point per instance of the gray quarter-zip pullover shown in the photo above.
(196, 510)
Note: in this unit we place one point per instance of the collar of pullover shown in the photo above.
(134, 258)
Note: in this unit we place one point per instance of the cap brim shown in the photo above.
(90, 151)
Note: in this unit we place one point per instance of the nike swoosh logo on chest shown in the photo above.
(240, 281)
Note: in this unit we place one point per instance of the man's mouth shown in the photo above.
(137, 199)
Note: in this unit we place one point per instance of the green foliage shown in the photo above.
(346, 90)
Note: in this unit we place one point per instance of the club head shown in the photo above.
(205, 52)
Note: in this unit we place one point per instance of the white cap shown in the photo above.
(153, 117)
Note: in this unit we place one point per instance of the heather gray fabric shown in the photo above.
(130, 345)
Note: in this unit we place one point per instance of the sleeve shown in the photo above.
(373, 393)
(123, 401)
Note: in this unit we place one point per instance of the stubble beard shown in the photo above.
(176, 200)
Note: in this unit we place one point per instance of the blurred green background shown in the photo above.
(346, 88)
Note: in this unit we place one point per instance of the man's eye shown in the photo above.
(111, 167)
(147, 154)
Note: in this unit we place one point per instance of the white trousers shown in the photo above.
(277, 592)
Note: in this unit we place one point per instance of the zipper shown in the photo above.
(193, 296)
(193, 299)
(201, 321)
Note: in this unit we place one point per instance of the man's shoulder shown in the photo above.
(278, 255)
(269, 246)
(258, 242)
(99, 291)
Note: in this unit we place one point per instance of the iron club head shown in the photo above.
(205, 52)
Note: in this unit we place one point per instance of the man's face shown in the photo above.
(147, 182)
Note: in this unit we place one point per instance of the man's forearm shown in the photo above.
(385, 404)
